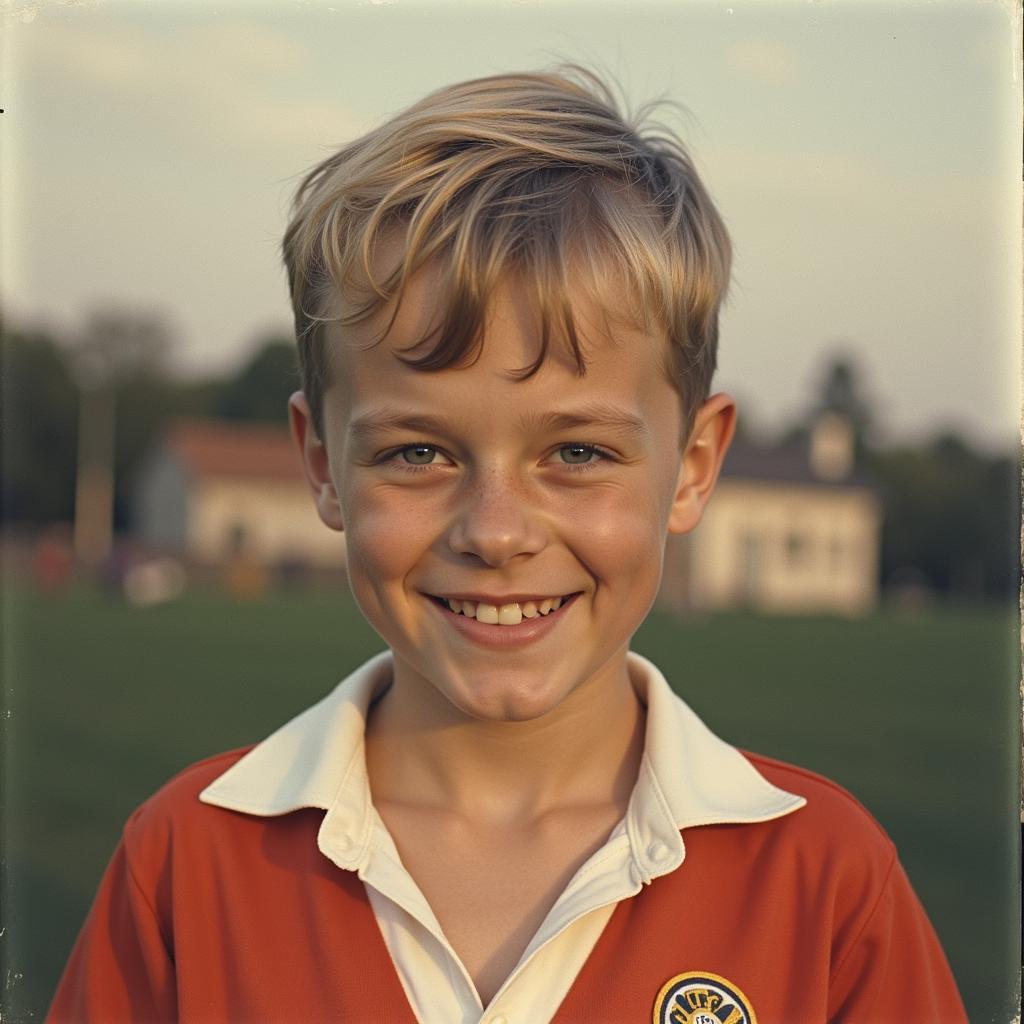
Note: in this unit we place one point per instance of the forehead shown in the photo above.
(626, 366)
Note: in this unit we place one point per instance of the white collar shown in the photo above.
(688, 776)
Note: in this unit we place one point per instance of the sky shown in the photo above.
(865, 156)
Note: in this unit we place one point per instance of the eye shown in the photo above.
(413, 457)
(580, 456)
(418, 454)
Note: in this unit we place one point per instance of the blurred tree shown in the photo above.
(951, 513)
(39, 426)
(119, 345)
(261, 389)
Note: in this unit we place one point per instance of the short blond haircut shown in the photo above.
(536, 177)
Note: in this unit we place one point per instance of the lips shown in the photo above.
(506, 636)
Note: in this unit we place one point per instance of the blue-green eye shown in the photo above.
(418, 450)
(581, 456)
(582, 450)
(414, 457)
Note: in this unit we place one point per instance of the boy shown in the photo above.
(506, 301)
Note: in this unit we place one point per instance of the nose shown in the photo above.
(497, 519)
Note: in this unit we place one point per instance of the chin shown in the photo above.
(508, 701)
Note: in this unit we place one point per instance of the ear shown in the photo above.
(315, 466)
(713, 428)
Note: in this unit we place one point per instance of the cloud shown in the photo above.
(826, 182)
(765, 60)
(246, 47)
(116, 57)
(229, 81)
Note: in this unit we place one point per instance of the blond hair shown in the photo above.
(536, 176)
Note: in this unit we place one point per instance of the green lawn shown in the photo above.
(916, 715)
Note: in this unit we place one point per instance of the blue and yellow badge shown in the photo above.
(698, 997)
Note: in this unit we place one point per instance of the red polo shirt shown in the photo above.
(207, 914)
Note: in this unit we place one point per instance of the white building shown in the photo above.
(788, 529)
(212, 489)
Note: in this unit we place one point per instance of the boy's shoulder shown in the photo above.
(832, 817)
(175, 808)
(175, 835)
(182, 790)
(817, 789)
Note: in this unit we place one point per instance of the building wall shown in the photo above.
(266, 520)
(784, 548)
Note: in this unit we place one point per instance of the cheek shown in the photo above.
(618, 534)
(385, 541)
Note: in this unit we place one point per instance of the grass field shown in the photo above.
(917, 716)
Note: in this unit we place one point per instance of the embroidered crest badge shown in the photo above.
(698, 997)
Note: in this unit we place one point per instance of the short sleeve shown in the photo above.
(895, 968)
(120, 968)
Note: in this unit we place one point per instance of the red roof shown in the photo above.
(222, 448)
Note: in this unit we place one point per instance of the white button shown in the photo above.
(500, 1019)
(658, 852)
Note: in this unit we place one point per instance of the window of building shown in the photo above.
(835, 552)
(797, 547)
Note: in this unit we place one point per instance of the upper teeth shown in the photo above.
(505, 614)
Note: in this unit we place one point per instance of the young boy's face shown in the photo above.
(496, 495)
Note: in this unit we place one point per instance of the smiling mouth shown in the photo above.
(503, 615)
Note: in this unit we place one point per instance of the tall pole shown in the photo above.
(94, 484)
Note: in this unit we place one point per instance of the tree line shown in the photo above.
(951, 521)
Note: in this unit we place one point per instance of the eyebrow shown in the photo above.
(593, 414)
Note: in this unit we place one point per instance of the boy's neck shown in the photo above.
(422, 751)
